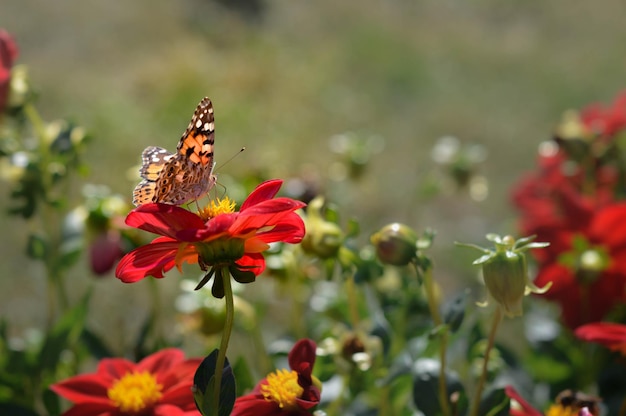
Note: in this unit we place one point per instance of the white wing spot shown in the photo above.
(198, 124)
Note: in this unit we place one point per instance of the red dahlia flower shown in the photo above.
(611, 335)
(217, 238)
(284, 392)
(587, 265)
(159, 385)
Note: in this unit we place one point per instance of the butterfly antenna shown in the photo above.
(231, 158)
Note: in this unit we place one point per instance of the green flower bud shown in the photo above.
(505, 272)
(323, 238)
(395, 244)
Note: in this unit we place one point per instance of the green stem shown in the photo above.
(483, 376)
(228, 327)
(352, 302)
(436, 316)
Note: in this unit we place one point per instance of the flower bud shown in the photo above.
(395, 244)
(323, 238)
(505, 272)
(505, 276)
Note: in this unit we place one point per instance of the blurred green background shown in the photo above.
(285, 77)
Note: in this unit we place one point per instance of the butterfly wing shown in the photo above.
(153, 160)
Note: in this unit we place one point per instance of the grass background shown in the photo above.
(284, 77)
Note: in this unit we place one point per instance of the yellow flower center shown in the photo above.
(216, 207)
(282, 388)
(559, 410)
(135, 392)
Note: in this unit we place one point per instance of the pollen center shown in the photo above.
(216, 207)
(135, 392)
(559, 410)
(282, 388)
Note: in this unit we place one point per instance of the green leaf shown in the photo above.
(426, 386)
(454, 311)
(204, 382)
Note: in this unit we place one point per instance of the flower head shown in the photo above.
(505, 272)
(216, 239)
(160, 384)
(285, 392)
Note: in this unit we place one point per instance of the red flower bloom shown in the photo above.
(8, 54)
(231, 239)
(285, 393)
(606, 121)
(587, 265)
(159, 385)
(611, 335)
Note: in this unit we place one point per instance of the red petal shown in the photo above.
(170, 410)
(605, 333)
(152, 260)
(303, 351)
(254, 405)
(163, 219)
(263, 192)
(115, 368)
(214, 228)
(290, 230)
(91, 409)
(527, 409)
(609, 226)
(83, 388)
(161, 361)
(254, 262)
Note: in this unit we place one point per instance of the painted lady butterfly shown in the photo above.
(176, 178)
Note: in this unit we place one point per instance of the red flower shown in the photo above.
(587, 265)
(8, 54)
(231, 239)
(606, 121)
(158, 385)
(611, 335)
(284, 392)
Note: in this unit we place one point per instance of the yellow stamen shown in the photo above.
(559, 410)
(282, 388)
(216, 207)
(135, 392)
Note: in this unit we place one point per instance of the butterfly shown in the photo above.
(177, 178)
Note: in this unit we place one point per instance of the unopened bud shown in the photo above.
(395, 244)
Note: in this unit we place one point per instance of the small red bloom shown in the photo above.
(285, 393)
(159, 385)
(8, 54)
(587, 266)
(611, 335)
(606, 121)
(234, 239)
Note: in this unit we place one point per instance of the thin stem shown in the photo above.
(352, 302)
(434, 313)
(228, 327)
(481, 382)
